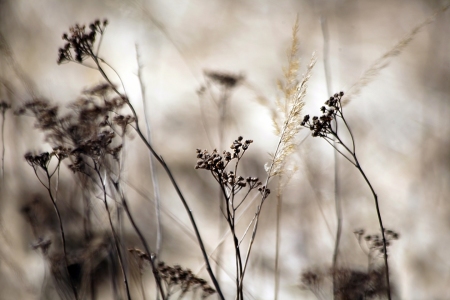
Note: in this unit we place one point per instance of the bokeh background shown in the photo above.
(400, 121)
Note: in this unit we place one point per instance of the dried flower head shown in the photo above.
(227, 80)
(80, 42)
(322, 126)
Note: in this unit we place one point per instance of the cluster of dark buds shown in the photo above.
(227, 80)
(89, 130)
(217, 164)
(4, 106)
(46, 114)
(39, 160)
(183, 279)
(321, 126)
(43, 159)
(80, 42)
(326, 127)
(375, 242)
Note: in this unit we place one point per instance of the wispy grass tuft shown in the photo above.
(384, 60)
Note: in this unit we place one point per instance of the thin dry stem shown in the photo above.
(155, 182)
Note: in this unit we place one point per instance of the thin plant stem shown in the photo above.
(277, 240)
(337, 199)
(155, 181)
(222, 197)
(380, 221)
(115, 237)
(172, 180)
(61, 228)
(141, 237)
(3, 144)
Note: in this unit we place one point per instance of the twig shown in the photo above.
(155, 182)
(115, 237)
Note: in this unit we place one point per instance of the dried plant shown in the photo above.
(4, 106)
(79, 48)
(327, 127)
(176, 279)
(90, 140)
(41, 162)
(286, 119)
(232, 184)
(352, 283)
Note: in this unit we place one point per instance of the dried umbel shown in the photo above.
(227, 80)
(79, 42)
(322, 126)
(176, 278)
(231, 184)
(217, 164)
(374, 242)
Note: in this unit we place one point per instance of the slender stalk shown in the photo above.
(115, 237)
(337, 199)
(380, 221)
(172, 180)
(155, 181)
(141, 237)
(3, 144)
(277, 240)
(61, 228)
(222, 196)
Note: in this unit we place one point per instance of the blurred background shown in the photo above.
(400, 121)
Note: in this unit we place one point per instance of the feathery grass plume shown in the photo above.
(286, 119)
(291, 109)
(383, 61)
(289, 85)
(288, 129)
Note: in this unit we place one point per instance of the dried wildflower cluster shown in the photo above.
(231, 183)
(79, 42)
(177, 278)
(4, 106)
(321, 126)
(217, 164)
(348, 283)
(43, 159)
(375, 242)
(87, 130)
(227, 80)
(326, 127)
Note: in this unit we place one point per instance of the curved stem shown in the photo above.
(115, 237)
(380, 221)
(141, 237)
(61, 228)
(155, 182)
(172, 180)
